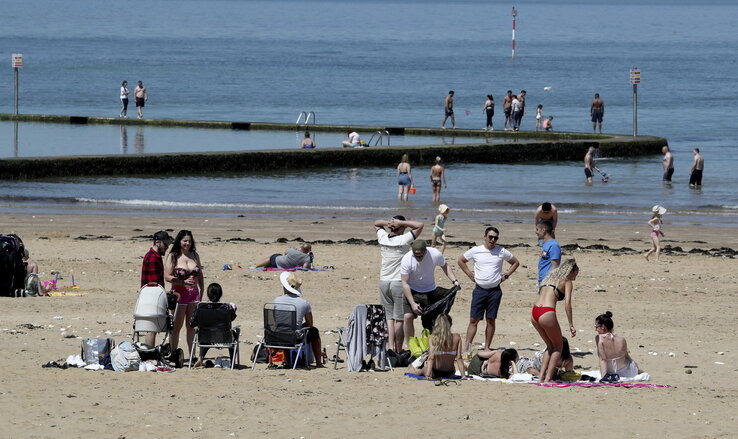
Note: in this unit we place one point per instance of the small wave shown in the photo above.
(186, 204)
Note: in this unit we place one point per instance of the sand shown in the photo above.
(676, 313)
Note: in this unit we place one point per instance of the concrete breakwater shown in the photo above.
(538, 146)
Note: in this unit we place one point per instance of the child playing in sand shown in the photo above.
(439, 228)
(539, 116)
(548, 123)
(655, 222)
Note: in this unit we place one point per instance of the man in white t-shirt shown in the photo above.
(393, 245)
(418, 283)
(487, 276)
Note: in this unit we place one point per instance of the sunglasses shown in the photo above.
(419, 255)
(495, 237)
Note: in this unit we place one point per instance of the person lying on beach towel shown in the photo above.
(532, 365)
(493, 364)
(301, 256)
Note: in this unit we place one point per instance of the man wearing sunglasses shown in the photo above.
(487, 277)
(418, 282)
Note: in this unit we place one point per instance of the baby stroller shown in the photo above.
(152, 315)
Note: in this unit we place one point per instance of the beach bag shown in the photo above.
(440, 306)
(125, 357)
(262, 358)
(418, 345)
(94, 350)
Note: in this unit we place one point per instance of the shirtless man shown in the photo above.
(589, 164)
(448, 109)
(547, 212)
(597, 111)
(141, 96)
(668, 165)
(507, 109)
(695, 174)
(437, 176)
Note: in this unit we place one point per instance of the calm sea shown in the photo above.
(386, 63)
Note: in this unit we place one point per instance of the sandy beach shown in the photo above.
(676, 315)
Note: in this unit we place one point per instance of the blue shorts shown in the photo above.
(403, 179)
(485, 300)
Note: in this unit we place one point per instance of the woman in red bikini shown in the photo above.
(182, 269)
(556, 286)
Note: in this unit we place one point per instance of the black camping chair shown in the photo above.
(282, 331)
(441, 306)
(214, 331)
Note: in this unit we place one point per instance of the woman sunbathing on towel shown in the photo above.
(444, 352)
(556, 286)
(532, 365)
(613, 350)
(493, 364)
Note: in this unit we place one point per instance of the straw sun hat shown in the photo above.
(291, 282)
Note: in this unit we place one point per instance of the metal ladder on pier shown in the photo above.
(380, 135)
(305, 117)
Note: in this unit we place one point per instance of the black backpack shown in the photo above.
(12, 267)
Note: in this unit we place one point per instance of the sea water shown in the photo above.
(379, 62)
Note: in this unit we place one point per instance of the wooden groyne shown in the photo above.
(544, 146)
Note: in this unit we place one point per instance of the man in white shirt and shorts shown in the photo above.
(487, 276)
(418, 283)
(393, 245)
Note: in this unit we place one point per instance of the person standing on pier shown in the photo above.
(141, 96)
(124, 99)
(597, 111)
(448, 110)
(507, 109)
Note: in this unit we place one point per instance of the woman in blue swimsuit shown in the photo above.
(404, 178)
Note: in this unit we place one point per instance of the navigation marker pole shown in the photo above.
(635, 79)
(514, 14)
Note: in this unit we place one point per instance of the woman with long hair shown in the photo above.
(444, 352)
(404, 178)
(558, 285)
(182, 269)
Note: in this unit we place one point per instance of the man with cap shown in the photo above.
(418, 283)
(487, 277)
(393, 245)
(152, 269)
(291, 284)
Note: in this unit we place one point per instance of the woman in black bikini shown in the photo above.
(444, 352)
(556, 286)
(183, 270)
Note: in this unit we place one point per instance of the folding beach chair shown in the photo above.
(281, 331)
(214, 331)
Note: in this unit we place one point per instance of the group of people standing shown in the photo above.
(513, 107)
(406, 183)
(407, 286)
(140, 94)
